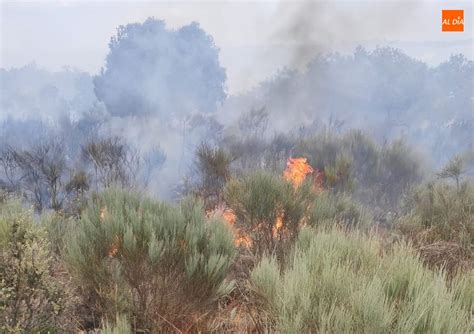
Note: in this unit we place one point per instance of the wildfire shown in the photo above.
(296, 171)
(278, 225)
(229, 216)
(241, 240)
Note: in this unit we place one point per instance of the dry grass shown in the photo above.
(450, 256)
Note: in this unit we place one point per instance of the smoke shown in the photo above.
(164, 91)
(34, 93)
(151, 70)
(308, 28)
(331, 84)
(384, 92)
(157, 84)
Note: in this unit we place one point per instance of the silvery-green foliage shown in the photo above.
(149, 259)
(342, 282)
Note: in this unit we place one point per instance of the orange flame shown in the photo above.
(241, 240)
(278, 225)
(229, 216)
(296, 171)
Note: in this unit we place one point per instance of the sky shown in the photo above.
(256, 38)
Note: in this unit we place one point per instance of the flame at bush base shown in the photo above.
(240, 239)
(296, 172)
(278, 225)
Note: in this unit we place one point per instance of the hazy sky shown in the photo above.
(256, 38)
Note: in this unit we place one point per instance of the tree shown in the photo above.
(10, 178)
(37, 172)
(155, 71)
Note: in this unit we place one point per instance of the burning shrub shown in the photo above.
(340, 283)
(31, 299)
(296, 171)
(378, 176)
(163, 266)
(269, 209)
(329, 154)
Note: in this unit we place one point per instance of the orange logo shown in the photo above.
(452, 20)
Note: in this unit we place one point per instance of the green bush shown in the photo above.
(329, 209)
(57, 226)
(32, 299)
(161, 265)
(328, 153)
(212, 167)
(447, 210)
(398, 171)
(440, 222)
(364, 155)
(379, 176)
(261, 199)
(343, 283)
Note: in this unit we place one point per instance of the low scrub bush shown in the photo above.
(57, 226)
(329, 209)
(32, 299)
(379, 176)
(163, 266)
(440, 223)
(269, 209)
(212, 167)
(344, 283)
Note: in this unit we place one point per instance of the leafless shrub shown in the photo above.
(113, 162)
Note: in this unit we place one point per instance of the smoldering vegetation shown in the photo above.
(164, 103)
(336, 196)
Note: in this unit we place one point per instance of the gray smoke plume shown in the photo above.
(308, 28)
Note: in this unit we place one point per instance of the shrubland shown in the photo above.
(323, 233)
(146, 199)
(344, 282)
(163, 266)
